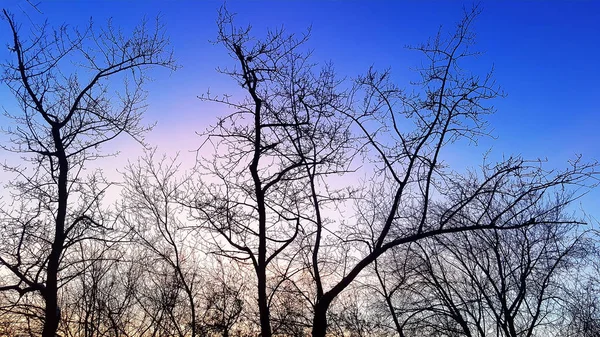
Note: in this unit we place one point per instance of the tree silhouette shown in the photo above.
(278, 156)
(66, 114)
(310, 195)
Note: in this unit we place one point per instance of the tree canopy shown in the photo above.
(318, 204)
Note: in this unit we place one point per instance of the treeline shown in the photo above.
(320, 205)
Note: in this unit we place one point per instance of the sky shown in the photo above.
(544, 53)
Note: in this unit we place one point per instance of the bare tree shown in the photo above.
(224, 300)
(281, 191)
(101, 299)
(66, 114)
(413, 196)
(263, 151)
(502, 283)
(153, 213)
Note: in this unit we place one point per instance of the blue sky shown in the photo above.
(545, 55)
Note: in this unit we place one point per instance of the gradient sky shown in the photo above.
(546, 56)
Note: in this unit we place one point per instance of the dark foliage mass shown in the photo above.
(320, 205)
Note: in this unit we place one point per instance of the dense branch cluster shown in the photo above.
(319, 205)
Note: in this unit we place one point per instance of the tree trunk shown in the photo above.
(52, 310)
(319, 328)
(263, 306)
